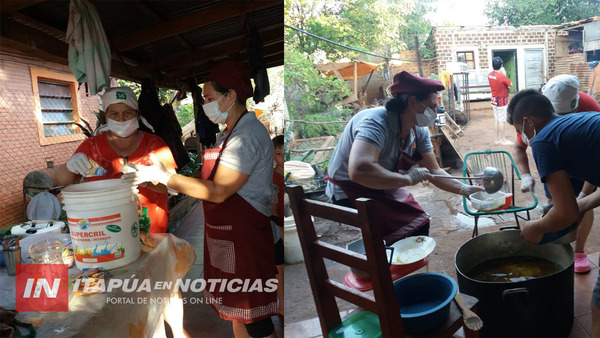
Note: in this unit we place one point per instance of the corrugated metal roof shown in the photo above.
(577, 23)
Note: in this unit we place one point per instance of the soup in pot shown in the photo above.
(513, 269)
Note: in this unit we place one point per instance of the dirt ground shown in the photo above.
(450, 226)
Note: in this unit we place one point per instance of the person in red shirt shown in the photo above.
(563, 92)
(100, 157)
(499, 84)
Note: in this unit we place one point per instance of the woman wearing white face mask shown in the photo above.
(382, 150)
(101, 156)
(235, 186)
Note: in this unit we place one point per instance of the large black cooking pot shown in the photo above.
(537, 307)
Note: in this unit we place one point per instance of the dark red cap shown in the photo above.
(405, 82)
(233, 75)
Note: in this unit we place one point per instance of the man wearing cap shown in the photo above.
(499, 84)
(563, 147)
(385, 149)
(101, 157)
(563, 92)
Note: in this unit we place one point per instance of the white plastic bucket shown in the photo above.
(104, 224)
(292, 251)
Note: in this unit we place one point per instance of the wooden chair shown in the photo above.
(325, 290)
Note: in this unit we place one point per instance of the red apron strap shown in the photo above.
(218, 159)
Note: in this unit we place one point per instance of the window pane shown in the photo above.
(53, 89)
(55, 103)
(58, 129)
(57, 116)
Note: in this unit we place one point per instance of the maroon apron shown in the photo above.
(238, 244)
(400, 214)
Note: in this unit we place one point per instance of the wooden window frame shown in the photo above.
(465, 52)
(38, 74)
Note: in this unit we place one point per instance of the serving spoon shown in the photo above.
(471, 319)
(492, 179)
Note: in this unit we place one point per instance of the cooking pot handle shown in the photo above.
(510, 294)
(514, 227)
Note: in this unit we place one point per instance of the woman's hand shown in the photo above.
(467, 190)
(79, 164)
(416, 175)
(142, 173)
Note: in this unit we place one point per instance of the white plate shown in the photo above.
(43, 206)
(411, 249)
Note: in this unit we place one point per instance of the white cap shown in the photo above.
(119, 95)
(563, 92)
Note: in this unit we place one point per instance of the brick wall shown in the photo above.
(574, 64)
(20, 149)
(484, 38)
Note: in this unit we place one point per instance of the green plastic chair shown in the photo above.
(473, 165)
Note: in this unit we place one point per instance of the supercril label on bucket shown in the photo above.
(103, 218)
(98, 232)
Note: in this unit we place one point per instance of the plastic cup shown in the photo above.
(12, 257)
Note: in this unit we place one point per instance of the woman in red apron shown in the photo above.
(236, 188)
(101, 157)
(383, 150)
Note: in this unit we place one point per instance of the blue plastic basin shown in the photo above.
(424, 300)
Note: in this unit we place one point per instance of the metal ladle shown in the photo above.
(492, 179)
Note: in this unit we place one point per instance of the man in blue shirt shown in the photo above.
(563, 147)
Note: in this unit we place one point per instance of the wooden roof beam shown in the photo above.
(38, 44)
(201, 72)
(12, 6)
(188, 22)
(49, 30)
(273, 49)
(58, 34)
(268, 37)
(34, 41)
(154, 16)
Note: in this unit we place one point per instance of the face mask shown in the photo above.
(526, 139)
(214, 113)
(427, 118)
(122, 129)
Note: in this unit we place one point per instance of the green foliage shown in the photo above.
(193, 167)
(86, 127)
(185, 114)
(136, 87)
(306, 89)
(288, 136)
(378, 26)
(306, 130)
(533, 12)
(311, 96)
